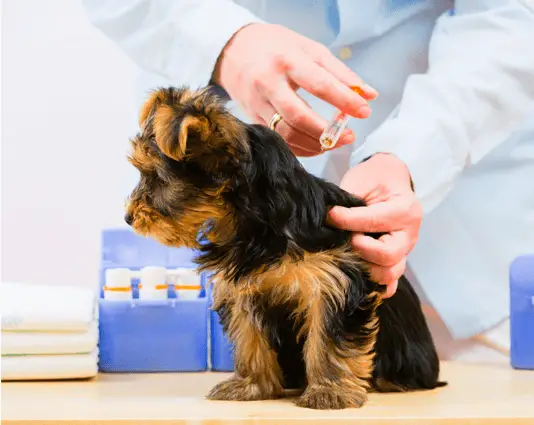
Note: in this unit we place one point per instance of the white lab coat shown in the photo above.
(456, 104)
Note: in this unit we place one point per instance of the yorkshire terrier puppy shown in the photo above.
(293, 297)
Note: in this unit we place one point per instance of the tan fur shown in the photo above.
(143, 156)
(199, 125)
(315, 284)
(164, 130)
(223, 229)
(214, 127)
(258, 375)
(154, 97)
(147, 221)
(337, 378)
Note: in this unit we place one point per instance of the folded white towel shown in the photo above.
(29, 368)
(33, 307)
(28, 342)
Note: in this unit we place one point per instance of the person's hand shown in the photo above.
(263, 65)
(383, 181)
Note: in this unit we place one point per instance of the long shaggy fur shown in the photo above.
(293, 297)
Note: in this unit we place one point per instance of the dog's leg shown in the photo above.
(257, 373)
(338, 366)
(406, 357)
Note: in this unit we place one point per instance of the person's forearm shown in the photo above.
(477, 90)
(180, 40)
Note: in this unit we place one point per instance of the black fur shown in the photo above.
(278, 206)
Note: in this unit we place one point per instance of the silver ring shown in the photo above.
(275, 120)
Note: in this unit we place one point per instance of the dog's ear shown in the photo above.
(195, 126)
(172, 132)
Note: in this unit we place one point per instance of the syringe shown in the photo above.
(335, 127)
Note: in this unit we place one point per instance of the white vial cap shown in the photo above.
(188, 277)
(118, 278)
(152, 276)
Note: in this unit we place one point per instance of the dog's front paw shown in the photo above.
(328, 398)
(238, 389)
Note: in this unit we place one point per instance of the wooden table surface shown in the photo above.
(476, 394)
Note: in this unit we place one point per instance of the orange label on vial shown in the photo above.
(118, 289)
(156, 287)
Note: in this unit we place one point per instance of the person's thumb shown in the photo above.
(374, 218)
(339, 217)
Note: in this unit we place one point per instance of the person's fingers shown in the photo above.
(298, 115)
(294, 110)
(385, 251)
(387, 275)
(375, 218)
(301, 144)
(322, 84)
(328, 61)
(300, 151)
(339, 217)
(262, 113)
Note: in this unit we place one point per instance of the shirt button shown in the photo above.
(345, 53)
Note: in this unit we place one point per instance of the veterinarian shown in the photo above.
(454, 112)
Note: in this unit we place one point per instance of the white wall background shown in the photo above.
(67, 113)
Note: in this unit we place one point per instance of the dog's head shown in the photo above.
(187, 152)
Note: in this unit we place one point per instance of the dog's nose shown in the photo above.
(128, 219)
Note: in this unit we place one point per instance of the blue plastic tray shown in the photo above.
(522, 312)
(221, 350)
(153, 336)
(150, 336)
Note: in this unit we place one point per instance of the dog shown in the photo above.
(293, 297)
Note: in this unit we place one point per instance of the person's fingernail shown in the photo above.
(357, 239)
(347, 137)
(330, 218)
(364, 111)
(336, 214)
(370, 90)
(334, 211)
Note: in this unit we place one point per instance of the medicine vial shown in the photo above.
(333, 130)
(186, 283)
(118, 285)
(153, 283)
(336, 125)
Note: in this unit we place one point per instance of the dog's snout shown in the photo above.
(128, 218)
